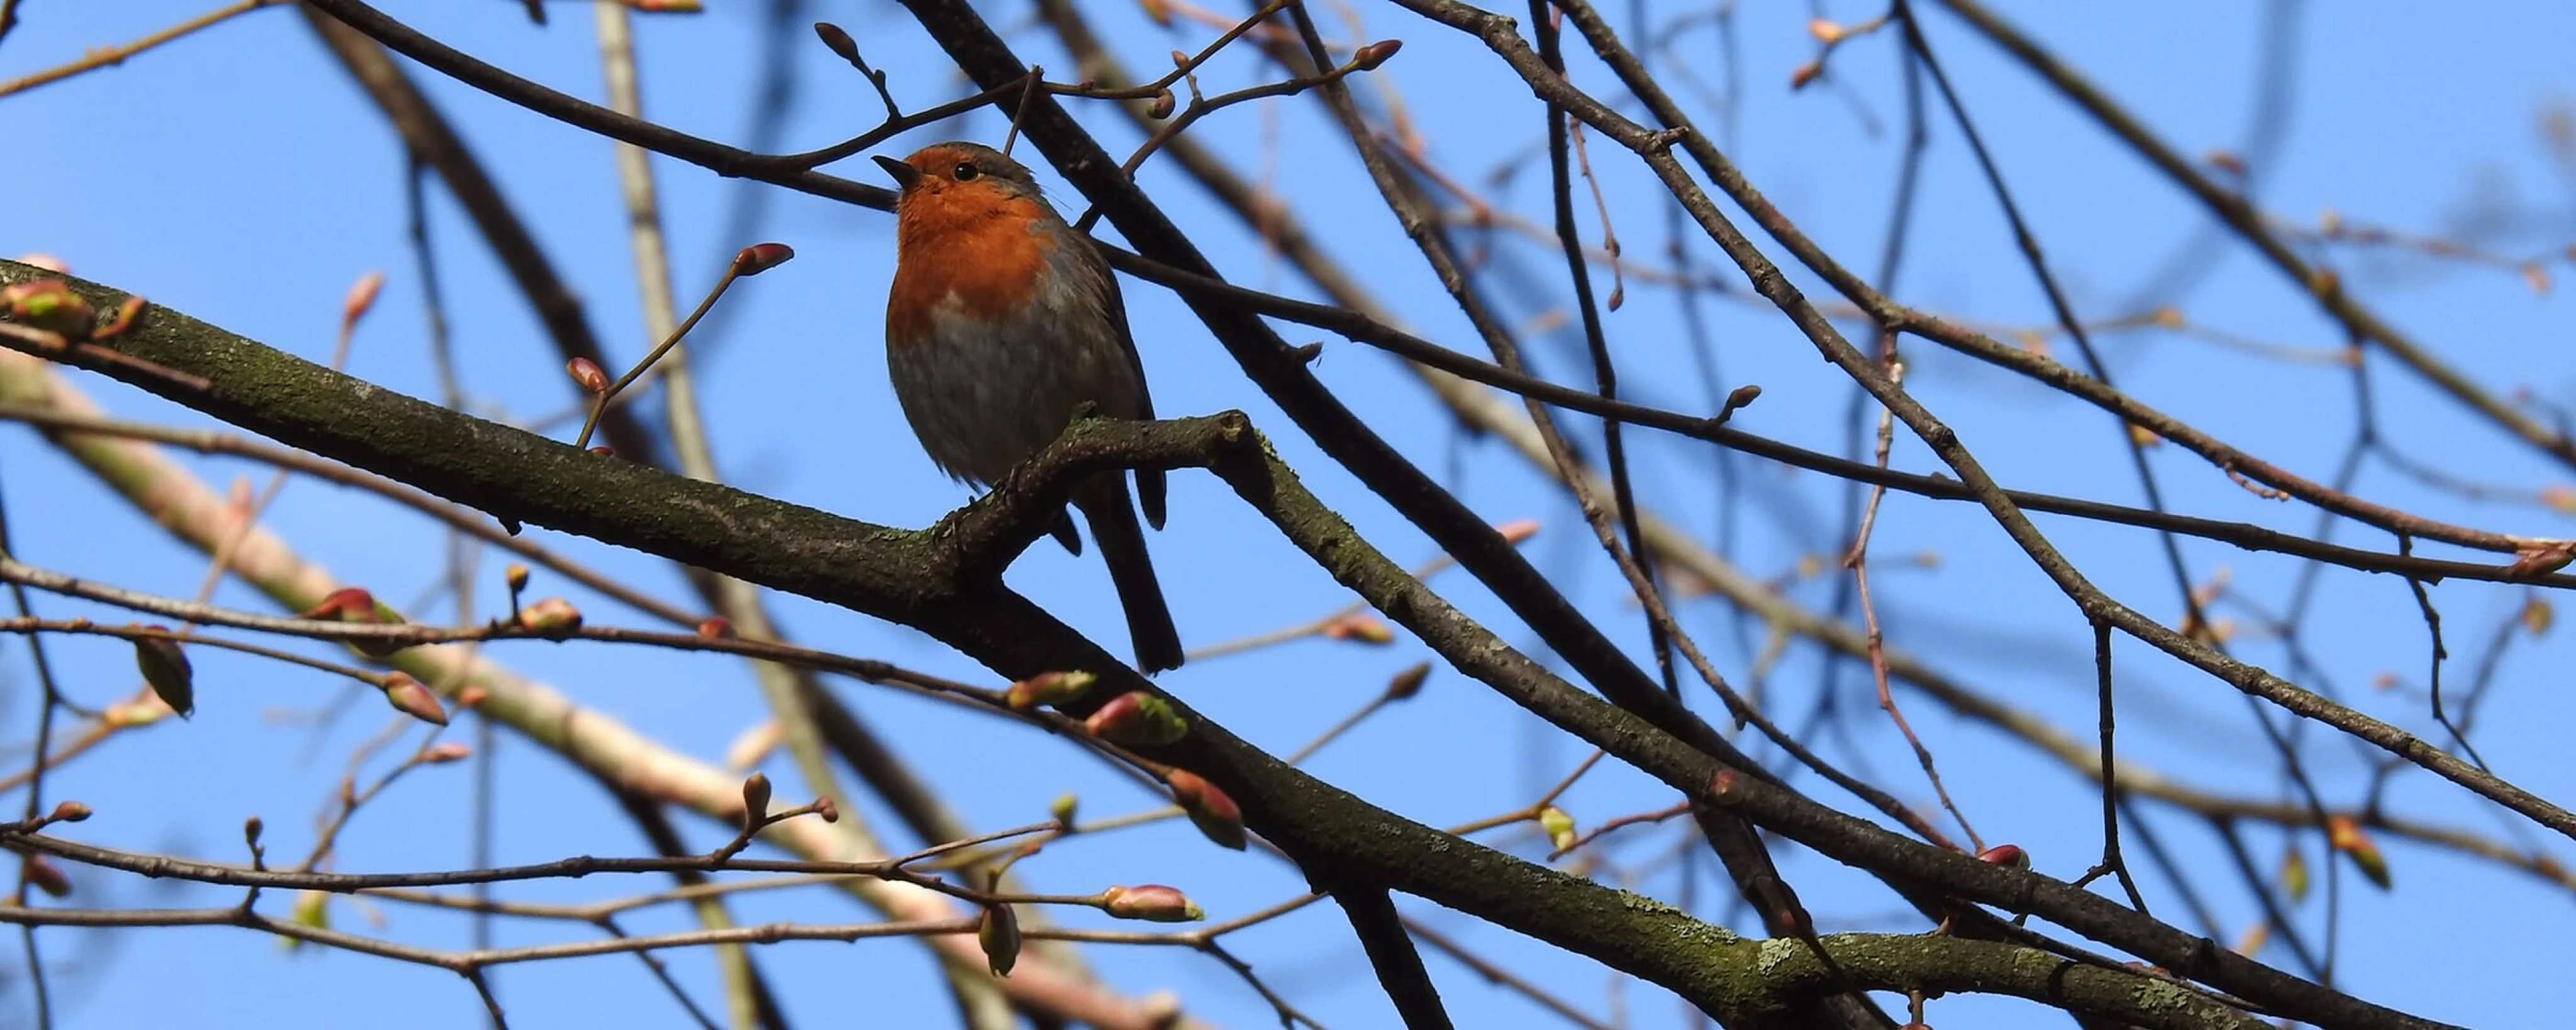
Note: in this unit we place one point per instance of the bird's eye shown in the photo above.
(966, 171)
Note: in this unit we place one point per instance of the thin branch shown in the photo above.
(108, 57)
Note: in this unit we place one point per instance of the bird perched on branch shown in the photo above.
(1001, 324)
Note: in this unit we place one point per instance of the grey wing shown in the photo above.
(1149, 482)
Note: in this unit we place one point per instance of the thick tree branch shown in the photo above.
(912, 577)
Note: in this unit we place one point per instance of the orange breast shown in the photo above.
(963, 246)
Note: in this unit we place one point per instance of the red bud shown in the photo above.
(411, 698)
(1367, 58)
(1209, 808)
(2006, 855)
(47, 877)
(347, 604)
(362, 296)
(761, 257)
(445, 751)
(1137, 717)
(586, 374)
(1359, 628)
(1726, 786)
(715, 627)
(1152, 902)
(70, 812)
(838, 40)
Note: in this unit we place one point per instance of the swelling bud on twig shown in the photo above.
(1139, 718)
(715, 627)
(761, 257)
(1367, 58)
(2540, 557)
(313, 909)
(1062, 811)
(1409, 682)
(347, 604)
(554, 617)
(1738, 399)
(45, 876)
(1359, 628)
(515, 577)
(69, 812)
(2006, 855)
(410, 697)
(999, 934)
(50, 305)
(445, 751)
(2344, 835)
(133, 716)
(165, 667)
(362, 296)
(356, 606)
(1161, 107)
(837, 40)
(1517, 530)
(1152, 902)
(1047, 688)
(586, 374)
(755, 801)
(1209, 808)
(1559, 827)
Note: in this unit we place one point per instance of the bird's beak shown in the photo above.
(904, 175)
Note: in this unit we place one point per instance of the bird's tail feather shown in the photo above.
(1122, 546)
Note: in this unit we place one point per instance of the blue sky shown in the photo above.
(238, 176)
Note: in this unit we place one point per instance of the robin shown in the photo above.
(1001, 324)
